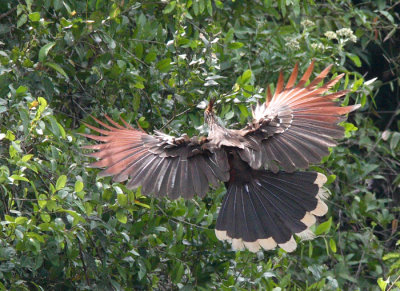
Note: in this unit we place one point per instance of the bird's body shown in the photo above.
(267, 201)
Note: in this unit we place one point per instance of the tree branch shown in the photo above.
(5, 14)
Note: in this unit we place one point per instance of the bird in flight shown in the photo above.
(268, 199)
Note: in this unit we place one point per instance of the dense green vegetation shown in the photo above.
(155, 62)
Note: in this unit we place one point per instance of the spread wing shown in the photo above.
(161, 164)
(297, 125)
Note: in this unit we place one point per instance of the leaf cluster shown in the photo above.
(157, 63)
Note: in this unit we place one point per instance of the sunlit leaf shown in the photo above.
(78, 186)
(61, 181)
(121, 216)
(34, 16)
(324, 227)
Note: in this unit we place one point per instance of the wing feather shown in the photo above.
(298, 125)
(161, 164)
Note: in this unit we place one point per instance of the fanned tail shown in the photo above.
(269, 209)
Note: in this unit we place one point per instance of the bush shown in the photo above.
(62, 227)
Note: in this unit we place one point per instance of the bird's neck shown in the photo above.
(213, 123)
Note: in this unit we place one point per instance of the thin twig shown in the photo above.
(173, 117)
(394, 282)
(80, 107)
(125, 49)
(359, 265)
(178, 220)
(5, 14)
(241, 270)
(386, 128)
(83, 262)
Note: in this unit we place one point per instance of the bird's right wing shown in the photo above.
(161, 164)
(297, 125)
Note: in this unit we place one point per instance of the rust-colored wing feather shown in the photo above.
(297, 125)
(161, 164)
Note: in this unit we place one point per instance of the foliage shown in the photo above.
(156, 63)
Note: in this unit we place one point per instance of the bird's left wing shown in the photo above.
(161, 164)
(296, 126)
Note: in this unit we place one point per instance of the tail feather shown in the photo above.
(269, 209)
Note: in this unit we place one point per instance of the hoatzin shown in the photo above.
(267, 199)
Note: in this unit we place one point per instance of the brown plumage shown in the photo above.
(267, 202)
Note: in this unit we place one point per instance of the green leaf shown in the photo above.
(22, 20)
(391, 256)
(142, 269)
(150, 57)
(170, 7)
(349, 127)
(10, 135)
(77, 218)
(390, 34)
(107, 194)
(177, 272)
(179, 232)
(57, 68)
(78, 186)
(243, 110)
(209, 7)
(143, 123)
(12, 152)
(61, 181)
(331, 179)
(267, 3)
(56, 128)
(196, 7)
(35, 16)
(122, 200)
(164, 65)
(26, 158)
(142, 204)
(201, 6)
(45, 217)
(42, 104)
(18, 178)
(394, 141)
(235, 45)
(21, 90)
(356, 60)
(26, 123)
(139, 50)
(357, 84)
(21, 220)
(229, 35)
(42, 200)
(43, 52)
(332, 244)
(246, 77)
(324, 227)
(229, 115)
(121, 216)
(115, 11)
(383, 283)
(219, 4)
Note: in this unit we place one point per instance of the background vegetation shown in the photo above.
(156, 62)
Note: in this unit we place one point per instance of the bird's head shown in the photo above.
(209, 112)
